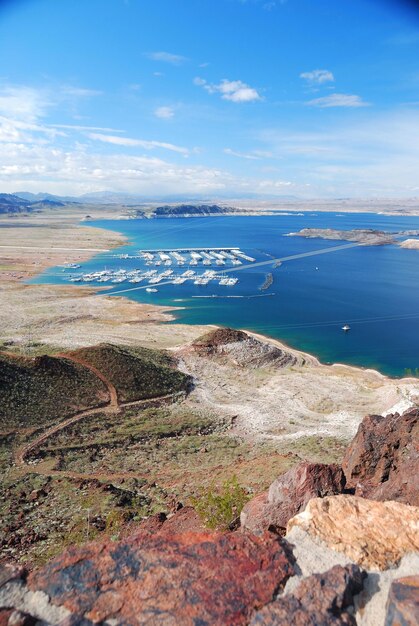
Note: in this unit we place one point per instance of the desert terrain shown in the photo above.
(70, 317)
(254, 409)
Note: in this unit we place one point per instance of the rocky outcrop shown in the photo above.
(382, 461)
(241, 349)
(374, 535)
(403, 602)
(319, 600)
(289, 494)
(190, 578)
(313, 556)
(367, 236)
(191, 210)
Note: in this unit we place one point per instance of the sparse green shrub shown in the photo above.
(220, 507)
(115, 521)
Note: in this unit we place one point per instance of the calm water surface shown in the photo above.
(373, 289)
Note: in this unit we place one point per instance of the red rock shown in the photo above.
(289, 494)
(190, 578)
(153, 523)
(382, 462)
(319, 600)
(185, 520)
(4, 616)
(403, 602)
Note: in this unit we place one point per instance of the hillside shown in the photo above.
(136, 373)
(9, 203)
(241, 349)
(36, 390)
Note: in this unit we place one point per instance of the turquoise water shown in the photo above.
(373, 289)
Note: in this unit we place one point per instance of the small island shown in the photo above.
(367, 236)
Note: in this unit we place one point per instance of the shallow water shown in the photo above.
(373, 289)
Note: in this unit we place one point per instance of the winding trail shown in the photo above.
(112, 407)
(111, 388)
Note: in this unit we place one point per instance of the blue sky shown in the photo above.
(309, 98)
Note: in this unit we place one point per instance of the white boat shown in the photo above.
(346, 328)
(151, 290)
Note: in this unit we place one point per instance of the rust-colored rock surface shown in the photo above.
(256, 514)
(373, 534)
(403, 602)
(189, 579)
(319, 600)
(382, 461)
(184, 520)
(289, 494)
(4, 616)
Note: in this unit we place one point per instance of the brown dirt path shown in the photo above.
(112, 407)
(22, 452)
(111, 388)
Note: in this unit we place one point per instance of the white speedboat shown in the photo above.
(151, 290)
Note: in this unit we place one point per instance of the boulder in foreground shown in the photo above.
(188, 579)
(319, 600)
(375, 535)
(289, 494)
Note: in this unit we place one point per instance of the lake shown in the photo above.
(373, 289)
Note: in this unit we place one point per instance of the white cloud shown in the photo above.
(46, 168)
(79, 92)
(164, 113)
(272, 184)
(82, 128)
(376, 154)
(142, 143)
(233, 90)
(254, 155)
(166, 57)
(338, 100)
(26, 132)
(318, 77)
(23, 103)
(28, 104)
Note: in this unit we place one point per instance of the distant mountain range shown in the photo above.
(12, 203)
(130, 199)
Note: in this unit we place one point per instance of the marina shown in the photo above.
(195, 257)
(318, 286)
